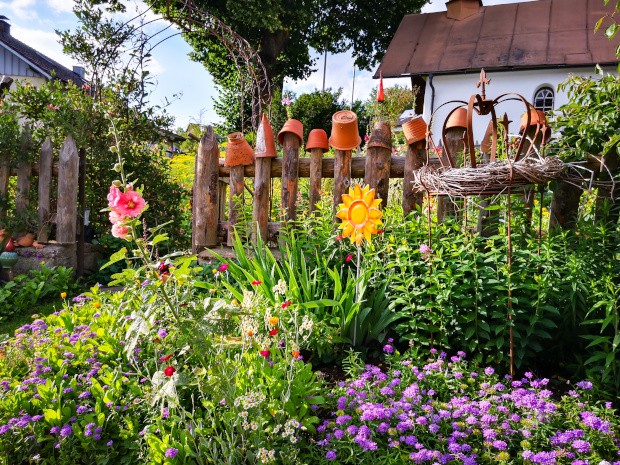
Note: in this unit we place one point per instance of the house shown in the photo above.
(526, 48)
(19, 61)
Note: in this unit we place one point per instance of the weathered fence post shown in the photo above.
(378, 160)
(45, 181)
(81, 233)
(24, 171)
(265, 151)
(66, 212)
(415, 158)
(317, 144)
(342, 175)
(290, 175)
(4, 185)
(205, 196)
(455, 144)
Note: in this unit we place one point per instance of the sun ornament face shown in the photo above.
(360, 214)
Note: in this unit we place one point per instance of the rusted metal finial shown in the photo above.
(484, 81)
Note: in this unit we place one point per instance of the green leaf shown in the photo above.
(116, 257)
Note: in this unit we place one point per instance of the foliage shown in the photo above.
(397, 99)
(26, 291)
(613, 26)
(445, 411)
(590, 122)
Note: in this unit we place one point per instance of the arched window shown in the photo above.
(544, 98)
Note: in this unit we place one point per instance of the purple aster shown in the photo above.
(171, 452)
(581, 446)
(162, 333)
(330, 455)
(66, 430)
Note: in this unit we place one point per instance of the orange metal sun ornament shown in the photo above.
(360, 214)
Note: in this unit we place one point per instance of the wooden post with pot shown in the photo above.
(318, 145)
(238, 154)
(66, 212)
(344, 138)
(415, 135)
(265, 151)
(378, 161)
(291, 138)
(45, 180)
(205, 212)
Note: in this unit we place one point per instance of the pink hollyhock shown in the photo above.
(116, 218)
(120, 230)
(113, 196)
(130, 203)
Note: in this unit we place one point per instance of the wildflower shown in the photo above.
(66, 430)
(338, 237)
(286, 304)
(169, 370)
(286, 101)
(257, 283)
(425, 249)
(388, 349)
(295, 354)
(171, 452)
(331, 455)
(349, 258)
(166, 358)
(250, 333)
(265, 353)
(120, 231)
(274, 320)
(96, 305)
(129, 203)
(162, 333)
(223, 267)
(63, 295)
(273, 332)
(585, 385)
(110, 443)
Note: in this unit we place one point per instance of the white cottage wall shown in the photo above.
(526, 83)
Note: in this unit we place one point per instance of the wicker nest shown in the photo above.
(493, 178)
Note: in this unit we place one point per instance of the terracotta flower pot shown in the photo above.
(238, 151)
(265, 142)
(345, 134)
(381, 135)
(537, 117)
(294, 126)
(457, 119)
(317, 139)
(415, 130)
(26, 240)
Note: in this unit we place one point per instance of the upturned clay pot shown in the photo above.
(294, 126)
(457, 119)
(238, 151)
(537, 117)
(38, 245)
(265, 142)
(345, 134)
(381, 135)
(415, 130)
(317, 139)
(26, 240)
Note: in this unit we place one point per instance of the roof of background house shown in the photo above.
(44, 64)
(538, 34)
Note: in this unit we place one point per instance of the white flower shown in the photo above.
(280, 288)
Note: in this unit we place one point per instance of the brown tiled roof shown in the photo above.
(539, 34)
(46, 64)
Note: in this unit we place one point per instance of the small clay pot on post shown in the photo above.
(344, 138)
(291, 137)
(265, 151)
(317, 144)
(415, 134)
(238, 154)
(379, 160)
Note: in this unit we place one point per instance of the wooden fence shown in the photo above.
(69, 171)
(209, 228)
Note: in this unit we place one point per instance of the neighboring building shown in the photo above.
(21, 62)
(526, 48)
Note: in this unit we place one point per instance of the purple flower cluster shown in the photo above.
(441, 413)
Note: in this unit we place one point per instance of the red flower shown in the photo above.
(256, 283)
(380, 231)
(295, 354)
(338, 238)
(273, 332)
(169, 370)
(349, 258)
(166, 358)
(223, 267)
(286, 304)
(265, 353)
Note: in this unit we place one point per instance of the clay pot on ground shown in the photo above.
(25, 240)
(238, 151)
(381, 135)
(457, 119)
(265, 142)
(345, 134)
(415, 130)
(293, 126)
(317, 139)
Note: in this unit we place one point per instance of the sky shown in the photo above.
(182, 86)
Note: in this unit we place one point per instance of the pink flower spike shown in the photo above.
(130, 203)
(120, 230)
(113, 196)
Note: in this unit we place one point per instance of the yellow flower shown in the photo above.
(274, 320)
(360, 214)
(96, 305)
(63, 295)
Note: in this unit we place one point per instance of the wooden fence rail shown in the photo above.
(209, 226)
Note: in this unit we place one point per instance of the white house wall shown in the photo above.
(12, 65)
(526, 83)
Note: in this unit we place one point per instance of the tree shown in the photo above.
(282, 32)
